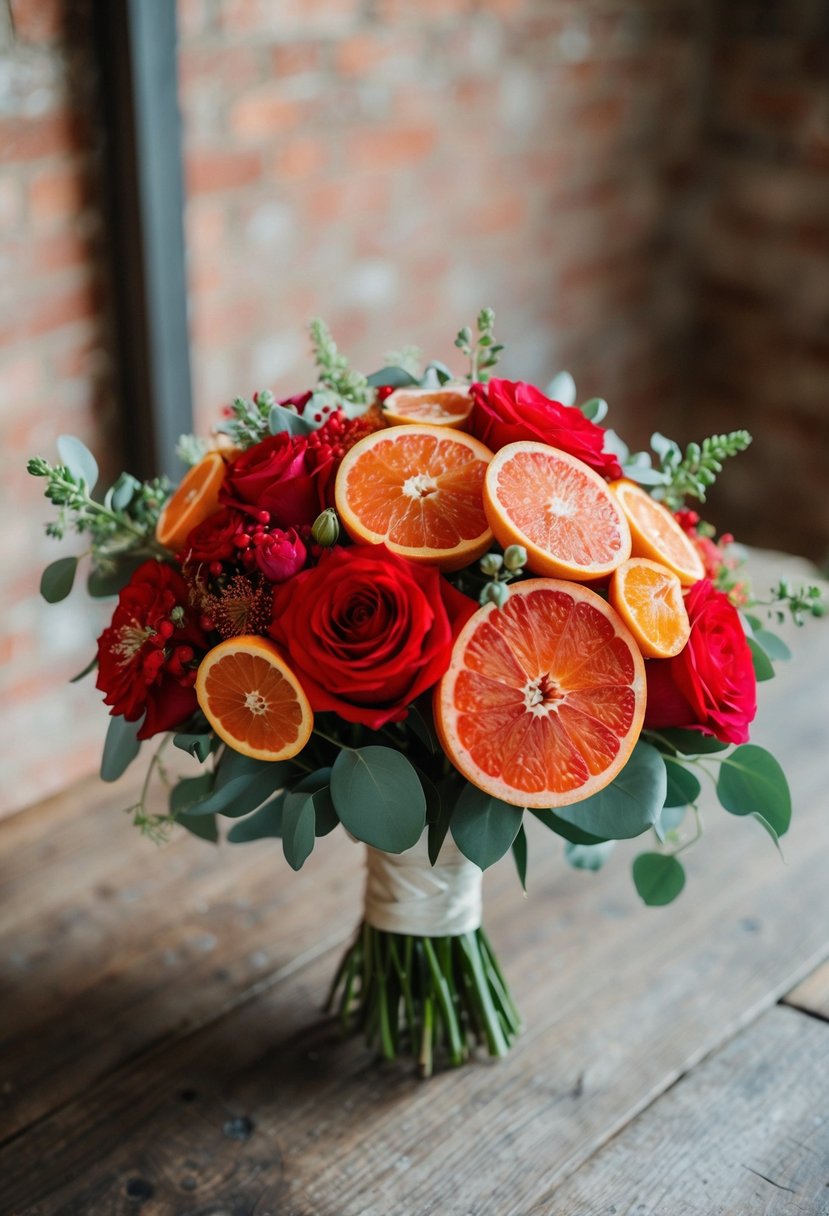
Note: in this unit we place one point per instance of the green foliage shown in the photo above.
(121, 746)
(58, 579)
(240, 786)
(519, 856)
(191, 449)
(338, 381)
(658, 877)
(796, 602)
(588, 856)
(265, 822)
(567, 831)
(391, 377)
(594, 410)
(378, 797)
(249, 419)
(763, 669)
(629, 805)
(683, 786)
(774, 647)
(692, 475)
(751, 782)
(199, 746)
(203, 826)
(298, 821)
(408, 359)
(688, 742)
(562, 388)
(482, 350)
(484, 827)
(80, 462)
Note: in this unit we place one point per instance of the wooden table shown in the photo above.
(163, 1050)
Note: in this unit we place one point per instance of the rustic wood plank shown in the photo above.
(744, 1134)
(812, 995)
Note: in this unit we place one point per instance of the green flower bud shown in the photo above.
(515, 558)
(491, 563)
(495, 593)
(326, 528)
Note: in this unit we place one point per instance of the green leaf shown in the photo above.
(267, 821)
(102, 583)
(447, 791)
(391, 377)
(683, 786)
(91, 665)
(692, 742)
(239, 796)
(298, 827)
(595, 410)
(562, 388)
(764, 823)
(630, 804)
(379, 798)
(188, 792)
(658, 878)
(122, 492)
(751, 782)
(318, 785)
(282, 419)
(203, 826)
(437, 373)
(419, 720)
(58, 579)
(763, 669)
(78, 459)
(670, 819)
(121, 746)
(519, 854)
(198, 746)
(484, 827)
(588, 856)
(774, 646)
(568, 831)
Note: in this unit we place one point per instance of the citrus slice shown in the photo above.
(417, 489)
(440, 407)
(544, 698)
(195, 499)
(253, 700)
(648, 598)
(560, 510)
(656, 534)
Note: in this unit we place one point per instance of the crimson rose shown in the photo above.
(281, 475)
(504, 412)
(147, 655)
(212, 539)
(367, 631)
(710, 685)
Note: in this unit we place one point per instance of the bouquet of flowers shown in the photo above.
(423, 607)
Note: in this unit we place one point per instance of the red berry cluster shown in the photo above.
(339, 433)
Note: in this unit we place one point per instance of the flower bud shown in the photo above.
(326, 528)
(495, 593)
(281, 555)
(515, 558)
(491, 563)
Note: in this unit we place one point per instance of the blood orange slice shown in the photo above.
(417, 489)
(544, 698)
(253, 700)
(561, 511)
(450, 406)
(195, 499)
(648, 598)
(657, 535)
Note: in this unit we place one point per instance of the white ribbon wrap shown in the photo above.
(406, 894)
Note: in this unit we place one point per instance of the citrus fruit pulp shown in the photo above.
(656, 534)
(561, 511)
(448, 406)
(648, 598)
(195, 499)
(253, 700)
(544, 698)
(417, 489)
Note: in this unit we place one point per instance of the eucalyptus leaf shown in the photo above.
(630, 804)
(123, 491)
(436, 374)
(298, 828)
(519, 856)
(281, 418)
(378, 797)
(419, 719)
(643, 472)
(104, 582)
(317, 784)
(764, 823)
(203, 826)
(774, 646)
(683, 786)
(188, 792)
(562, 388)
(391, 377)
(484, 827)
(91, 665)
(588, 856)
(751, 782)
(77, 458)
(763, 669)
(658, 877)
(266, 822)
(692, 742)
(595, 410)
(447, 791)
(198, 746)
(58, 579)
(615, 444)
(121, 746)
(240, 795)
(568, 831)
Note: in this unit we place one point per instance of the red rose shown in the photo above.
(280, 475)
(279, 555)
(212, 540)
(147, 656)
(504, 412)
(710, 685)
(367, 631)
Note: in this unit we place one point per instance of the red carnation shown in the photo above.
(505, 412)
(367, 631)
(147, 656)
(710, 685)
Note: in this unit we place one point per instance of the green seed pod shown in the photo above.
(495, 593)
(491, 563)
(326, 528)
(515, 558)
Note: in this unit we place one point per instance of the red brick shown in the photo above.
(62, 307)
(295, 58)
(37, 20)
(57, 193)
(359, 55)
(209, 171)
(390, 148)
(300, 158)
(263, 113)
(32, 138)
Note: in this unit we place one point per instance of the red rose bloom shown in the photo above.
(504, 412)
(710, 685)
(147, 655)
(281, 475)
(212, 540)
(367, 631)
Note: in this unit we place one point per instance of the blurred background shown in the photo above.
(639, 188)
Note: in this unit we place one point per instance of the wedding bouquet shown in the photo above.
(423, 607)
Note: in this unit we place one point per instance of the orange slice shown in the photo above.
(253, 700)
(544, 698)
(195, 499)
(417, 489)
(648, 598)
(560, 510)
(657, 535)
(440, 407)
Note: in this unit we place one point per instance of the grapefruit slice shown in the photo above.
(253, 700)
(561, 511)
(449, 406)
(544, 698)
(195, 499)
(648, 598)
(656, 534)
(417, 489)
